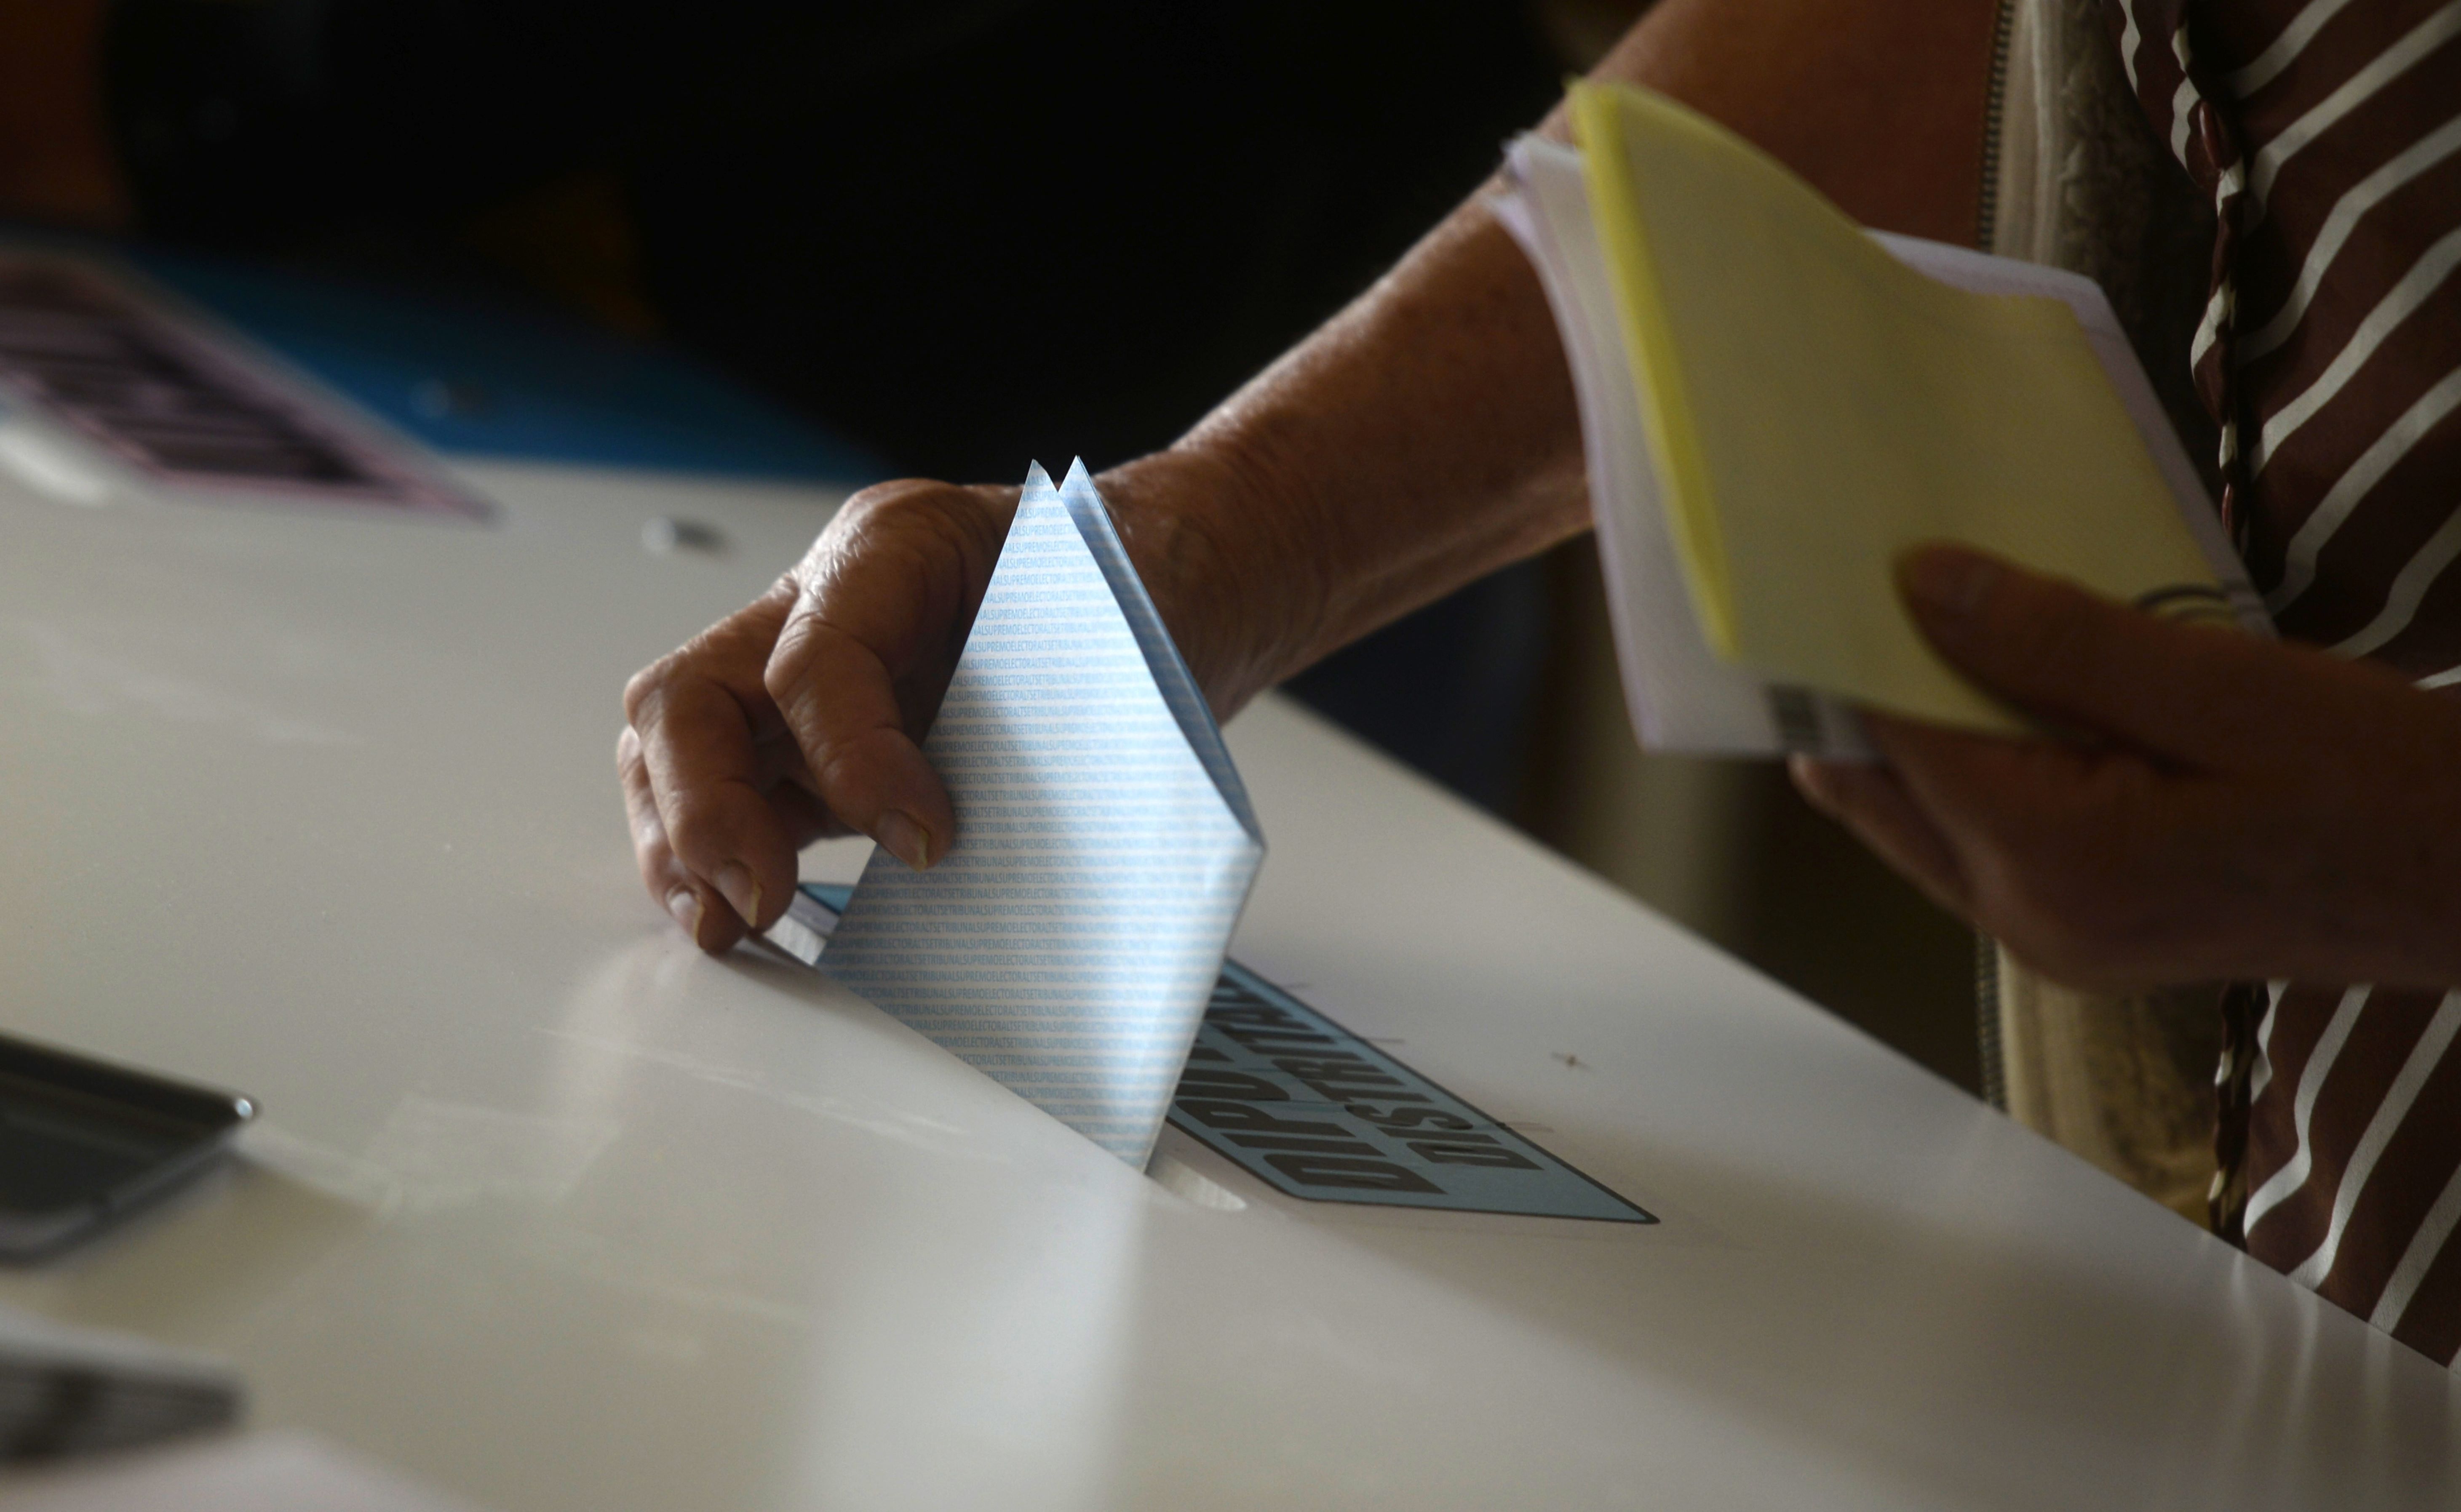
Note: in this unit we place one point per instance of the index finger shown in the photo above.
(883, 610)
(840, 697)
(698, 712)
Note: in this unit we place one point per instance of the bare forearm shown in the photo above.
(1336, 491)
(1427, 434)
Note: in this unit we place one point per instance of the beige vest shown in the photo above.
(2079, 181)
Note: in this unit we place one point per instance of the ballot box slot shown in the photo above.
(1317, 1112)
(1300, 1103)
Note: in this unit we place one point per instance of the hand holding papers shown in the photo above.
(1775, 405)
(1068, 941)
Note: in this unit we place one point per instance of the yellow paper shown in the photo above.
(1814, 408)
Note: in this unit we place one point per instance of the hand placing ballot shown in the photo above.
(1069, 940)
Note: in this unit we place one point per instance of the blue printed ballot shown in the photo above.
(1069, 941)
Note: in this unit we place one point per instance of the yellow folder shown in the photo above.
(1814, 407)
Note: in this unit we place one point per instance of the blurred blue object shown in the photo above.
(478, 378)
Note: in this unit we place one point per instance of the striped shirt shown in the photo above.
(2328, 134)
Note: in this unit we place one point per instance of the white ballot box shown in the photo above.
(545, 1210)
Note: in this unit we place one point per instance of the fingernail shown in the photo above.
(906, 839)
(685, 905)
(735, 880)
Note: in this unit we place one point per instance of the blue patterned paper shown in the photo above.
(1068, 941)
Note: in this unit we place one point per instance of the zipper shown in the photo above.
(1995, 103)
(1991, 1051)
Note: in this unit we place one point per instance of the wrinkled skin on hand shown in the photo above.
(802, 715)
(2225, 807)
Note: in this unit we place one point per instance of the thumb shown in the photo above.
(2083, 661)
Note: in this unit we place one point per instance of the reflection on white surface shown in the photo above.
(1185, 1182)
(991, 1378)
(332, 1173)
(629, 1015)
(445, 1155)
(951, 1313)
(92, 681)
(53, 467)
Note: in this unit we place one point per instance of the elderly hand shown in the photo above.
(2223, 806)
(801, 714)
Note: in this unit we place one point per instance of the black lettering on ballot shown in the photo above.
(1241, 1116)
(1350, 1172)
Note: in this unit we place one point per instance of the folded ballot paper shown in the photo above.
(1068, 941)
(1775, 404)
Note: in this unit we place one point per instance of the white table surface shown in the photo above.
(551, 1212)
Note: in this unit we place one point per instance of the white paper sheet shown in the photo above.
(1681, 696)
(1067, 943)
(69, 1389)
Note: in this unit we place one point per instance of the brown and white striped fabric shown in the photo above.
(2328, 134)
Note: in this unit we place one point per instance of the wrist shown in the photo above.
(1216, 543)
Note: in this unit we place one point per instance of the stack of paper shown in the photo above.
(1775, 405)
(68, 1391)
(1068, 941)
(285, 1471)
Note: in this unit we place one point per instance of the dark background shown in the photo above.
(966, 233)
